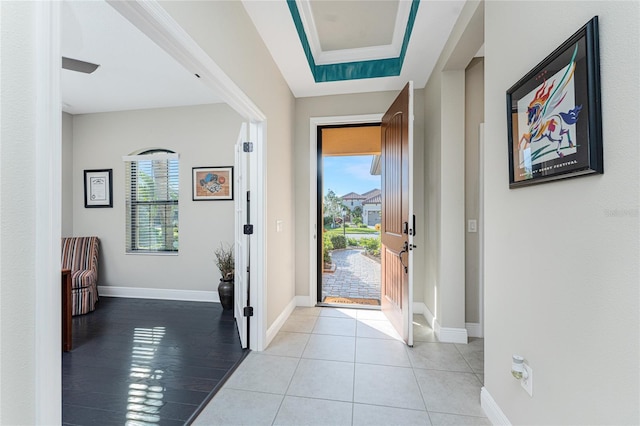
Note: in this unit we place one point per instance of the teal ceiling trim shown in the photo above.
(388, 67)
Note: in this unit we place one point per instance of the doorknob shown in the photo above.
(405, 248)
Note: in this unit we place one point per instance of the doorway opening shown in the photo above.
(349, 215)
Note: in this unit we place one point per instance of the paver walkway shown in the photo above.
(355, 276)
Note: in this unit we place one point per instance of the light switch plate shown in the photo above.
(472, 225)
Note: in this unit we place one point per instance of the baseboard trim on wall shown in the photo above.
(428, 315)
(279, 322)
(305, 301)
(474, 329)
(158, 293)
(451, 335)
(444, 334)
(492, 410)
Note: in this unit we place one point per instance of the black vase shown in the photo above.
(225, 292)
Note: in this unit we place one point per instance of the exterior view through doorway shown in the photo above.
(398, 221)
(349, 214)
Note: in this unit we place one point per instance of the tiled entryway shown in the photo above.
(330, 366)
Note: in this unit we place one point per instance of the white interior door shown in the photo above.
(241, 280)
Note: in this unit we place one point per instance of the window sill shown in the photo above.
(152, 253)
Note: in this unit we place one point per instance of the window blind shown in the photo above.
(152, 193)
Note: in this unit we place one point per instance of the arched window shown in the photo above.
(152, 192)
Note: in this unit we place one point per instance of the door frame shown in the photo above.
(48, 212)
(481, 174)
(153, 20)
(314, 123)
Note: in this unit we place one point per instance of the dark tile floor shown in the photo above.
(146, 362)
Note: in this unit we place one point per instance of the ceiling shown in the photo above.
(321, 47)
(334, 47)
(134, 72)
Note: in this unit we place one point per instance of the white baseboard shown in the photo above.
(418, 308)
(431, 319)
(444, 334)
(492, 410)
(451, 335)
(474, 329)
(158, 293)
(305, 301)
(279, 322)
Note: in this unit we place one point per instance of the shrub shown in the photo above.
(352, 242)
(363, 225)
(327, 246)
(338, 241)
(371, 245)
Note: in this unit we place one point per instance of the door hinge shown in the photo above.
(248, 229)
(248, 311)
(247, 146)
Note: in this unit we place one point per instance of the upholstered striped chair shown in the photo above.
(80, 255)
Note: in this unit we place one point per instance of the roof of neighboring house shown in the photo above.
(353, 196)
(376, 199)
(371, 193)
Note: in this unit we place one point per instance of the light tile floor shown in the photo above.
(335, 366)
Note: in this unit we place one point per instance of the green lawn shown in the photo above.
(339, 231)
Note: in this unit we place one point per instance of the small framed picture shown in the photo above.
(98, 188)
(212, 183)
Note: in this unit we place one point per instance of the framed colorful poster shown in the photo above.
(212, 183)
(97, 188)
(554, 116)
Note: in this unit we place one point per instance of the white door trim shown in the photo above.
(481, 230)
(48, 199)
(154, 21)
(314, 123)
(410, 218)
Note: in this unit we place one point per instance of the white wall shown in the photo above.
(225, 31)
(203, 136)
(562, 258)
(29, 217)
(344, 105)
(17, 214)
(67, 175)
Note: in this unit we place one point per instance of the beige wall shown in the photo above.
(562, 258)
(67, 175)
(333, 106)
(225, 32)
(473, 115)
(203, 136)
(444, 257)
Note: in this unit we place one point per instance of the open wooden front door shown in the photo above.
(397, 227)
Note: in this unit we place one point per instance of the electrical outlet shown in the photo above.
(527, 383)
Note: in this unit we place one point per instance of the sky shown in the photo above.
(349, 174)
